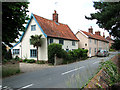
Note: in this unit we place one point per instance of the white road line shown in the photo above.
(72, 70)
(26, 86)
(96, 62)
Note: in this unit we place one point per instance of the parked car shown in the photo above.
(103, 53)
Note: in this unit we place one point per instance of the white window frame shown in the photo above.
(33, 27)
(33, 53)
(16, 51)
(73, 43)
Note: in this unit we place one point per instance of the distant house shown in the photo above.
(92, 42)
(110, 40)
(52, 32)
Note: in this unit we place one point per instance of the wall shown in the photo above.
(92, 45)
(42, 51)
(67, 44)
(82, 41)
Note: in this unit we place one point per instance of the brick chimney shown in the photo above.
(55, 16)
(90, 30)
(103, 34)
(97, 33)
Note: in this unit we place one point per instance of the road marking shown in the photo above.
(96, 62)
(72, 70)
(26, 86)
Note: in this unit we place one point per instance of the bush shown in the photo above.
(8, 55)
(54, 49)
(30, 61)
(25, 60)
(40, 62)
(17, 58)
(68, 57)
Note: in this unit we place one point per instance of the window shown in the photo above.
(89, 50)
(95, 50)
(73, 43)
(85, 44)
(33, 27)
(61, 41)
(90, 40)
(95, 41)
(51, 40)
(15, 51)
(33, 53)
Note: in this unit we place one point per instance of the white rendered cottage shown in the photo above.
(52, 32)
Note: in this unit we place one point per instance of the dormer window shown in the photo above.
(33, 27)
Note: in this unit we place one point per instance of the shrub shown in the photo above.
(40, 62)
(8, 55)
(30, 61)
(17, 58)
(25, 60)
(54, 49)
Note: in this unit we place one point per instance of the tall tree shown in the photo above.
(107, 16)
(36, 41)
(14, 15)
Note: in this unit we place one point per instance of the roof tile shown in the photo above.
(53, 29)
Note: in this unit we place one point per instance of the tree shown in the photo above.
(36, 41)
(14, 15)
(108, 17)
(116, 44)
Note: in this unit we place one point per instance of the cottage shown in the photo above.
(92, 42)
(52, 32)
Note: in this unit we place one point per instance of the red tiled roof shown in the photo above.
(53, 29)
(98, 37)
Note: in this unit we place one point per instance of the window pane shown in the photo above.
(51, 40)
(33, 53)
(61, 41)
(33, 27)
(73, 43)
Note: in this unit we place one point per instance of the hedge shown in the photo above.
(68, 57)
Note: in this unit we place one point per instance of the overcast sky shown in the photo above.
(71, 12)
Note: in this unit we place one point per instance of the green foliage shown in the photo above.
(25, 60)
(10, 69)
(14, 15)
(116, 44)
(52, 50)
(30, 61)
(8, 55)
(36, 41)
(68, 57)
(112, 71)
(107, 16)
(40, 62)
(17, 58)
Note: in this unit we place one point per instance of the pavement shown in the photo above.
(73, 75)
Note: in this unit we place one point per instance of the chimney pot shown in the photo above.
(55, 16)
(97, 33)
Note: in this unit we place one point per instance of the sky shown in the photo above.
(70, 12)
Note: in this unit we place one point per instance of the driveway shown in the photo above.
(73, 75)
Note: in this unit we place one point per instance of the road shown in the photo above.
(64, 76)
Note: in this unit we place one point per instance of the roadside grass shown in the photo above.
(10, 69)
(80, 80)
